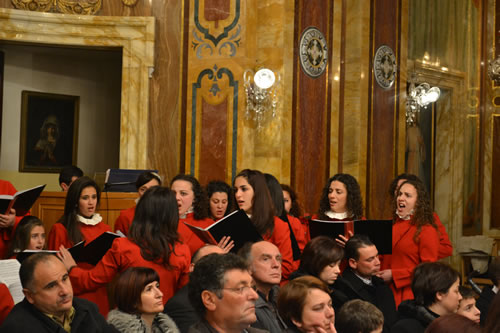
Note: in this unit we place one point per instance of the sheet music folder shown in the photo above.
(122, 180)
(237, 225)
(91, 253)
(21, 201)
(379, 231)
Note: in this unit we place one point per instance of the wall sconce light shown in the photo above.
(494, 70)
(419, 96)
(262, 99)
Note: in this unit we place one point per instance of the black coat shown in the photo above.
(24, 317)
(484, 301)
(179, 308)
(267, 313)
(413, 318)
(350, 287)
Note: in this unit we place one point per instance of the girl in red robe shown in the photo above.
(81, 222)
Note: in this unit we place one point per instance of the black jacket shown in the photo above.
(413, 318)
(179, 308)
(204, 327)
(484, 301)
(24, 317)
(351, 287)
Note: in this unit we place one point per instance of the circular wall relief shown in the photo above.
(313, 52)
(384, 66)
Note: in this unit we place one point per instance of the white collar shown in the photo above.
(337, 216)
(365, 280)
(407, 217)
(190, 210)
(96, 218)
(495, 289)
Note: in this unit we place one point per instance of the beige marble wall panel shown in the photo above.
(334, 72)
(134, 35)
(356, 90)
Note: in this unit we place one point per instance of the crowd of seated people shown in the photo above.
(164, 278)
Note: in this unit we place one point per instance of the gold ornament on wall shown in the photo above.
(129, 3)
(88, 7)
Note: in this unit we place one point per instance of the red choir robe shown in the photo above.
(6, 234)
(187, 236)
(59, 236)
(123, 254)
(124, 221)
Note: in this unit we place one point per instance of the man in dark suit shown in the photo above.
(359, 280)
(489, 292)
(178, 307)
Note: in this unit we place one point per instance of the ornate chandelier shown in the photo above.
(419, 96)
(261, 94)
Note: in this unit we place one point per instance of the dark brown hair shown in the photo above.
(295, 209)
(453, 323)
(293, 295)
(358, 316)
(423, 213)
(219, 186)
(130, 285)
(429, 278)
(394, 183)
(354, 202)
(320, 252)
(262, 205)
(71, 206)
(22, 235)
(154, 228)
(200, 202)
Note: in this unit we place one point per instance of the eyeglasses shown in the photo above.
(243, 289)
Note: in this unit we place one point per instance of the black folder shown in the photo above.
(237, 225)
(379, 231)
(21, 201)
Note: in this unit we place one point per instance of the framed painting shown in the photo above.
(49, 131)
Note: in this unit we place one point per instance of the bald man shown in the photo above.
(179, 307)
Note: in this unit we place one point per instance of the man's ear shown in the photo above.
(64, 187)
(296, 323)
(353, 263)
(29, 295)
(209, 300)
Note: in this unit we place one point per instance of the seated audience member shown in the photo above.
(321, 258)
(435, 286)
(49, 305)
(220, 199)
(139, 303)
(221, 291)
(68, 175)
(152, 242)
(453, 323)
(6, 302)
(492, 324)
(145, 180)
(9, 221)
(178, 307)
(467, 306)
(264, 261)
(29, 235)
(305, 306)
(359, 280)
(358, 316)
(489, 292)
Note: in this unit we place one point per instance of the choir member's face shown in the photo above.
(37, 238)
(317, 313)
(184, 195)
(87, 204)
(288, 201)
(337, 197)
(330, 273)
(147, 186)
(151, 299)
(243, 192)
(406, 200)
(218, 204)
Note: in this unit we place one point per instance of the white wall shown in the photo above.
(94, 75)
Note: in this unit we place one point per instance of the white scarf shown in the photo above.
(336, 216)
(96, 218)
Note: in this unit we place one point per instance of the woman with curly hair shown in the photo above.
(341, 199)
(252, 195)
(220, 196)
(415, 238)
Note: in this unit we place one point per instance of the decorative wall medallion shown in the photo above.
(313, 52)
(82, 7)
(384, 66)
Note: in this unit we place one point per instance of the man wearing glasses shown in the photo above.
(222, 291)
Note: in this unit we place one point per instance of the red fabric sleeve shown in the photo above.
(281, 238)
(445, 246)
(6, 302)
